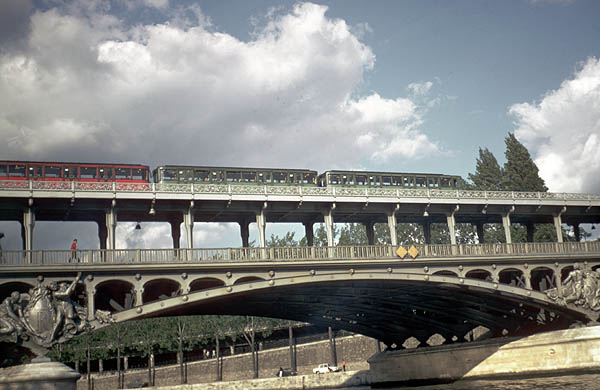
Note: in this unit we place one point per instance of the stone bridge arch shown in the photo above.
(389, 306)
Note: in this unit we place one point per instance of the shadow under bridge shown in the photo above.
(389, 301)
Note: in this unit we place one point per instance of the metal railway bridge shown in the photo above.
(446, 289)
(509, 288)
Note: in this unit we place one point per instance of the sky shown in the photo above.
(403, 85)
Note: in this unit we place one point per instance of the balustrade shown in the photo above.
(19, 185)
(290, 254)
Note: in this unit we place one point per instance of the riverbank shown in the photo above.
(550, 353)
(333, 380)
(355, 350)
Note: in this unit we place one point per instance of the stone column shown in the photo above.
(27, 228)
(370, 227)
(102, 233)
(391, 220)
(451, 225)
(480, 232)
(90, 291)
(309, 233)
(175, 223)
(188, 218)
(558, 226)
(577, 232)
(111, 226)
(530, 231)
(245, 232)
(328, 219)
(261, 224)
(506, 225)
(427, 232)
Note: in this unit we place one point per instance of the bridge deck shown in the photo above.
(297, 253)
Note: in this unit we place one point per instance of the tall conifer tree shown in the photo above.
(520, 172)
(488, 174)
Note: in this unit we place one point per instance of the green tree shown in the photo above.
(520, 172)
(287, 240)
(488, 174)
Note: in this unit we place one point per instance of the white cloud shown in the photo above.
(90, 88)
(563, 131)
(85, 86)
(420, 88)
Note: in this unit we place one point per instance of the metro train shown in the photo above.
(134, 173)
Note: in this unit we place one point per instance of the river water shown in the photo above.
(568, 382)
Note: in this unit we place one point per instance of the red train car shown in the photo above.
(62, 171)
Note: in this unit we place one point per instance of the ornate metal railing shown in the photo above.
(292, 254)
(234, 189)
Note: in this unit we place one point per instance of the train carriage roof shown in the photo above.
(232, 168)
(72, 163)
(338, 172)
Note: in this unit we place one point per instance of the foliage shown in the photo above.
(520, 172)
(488, 174)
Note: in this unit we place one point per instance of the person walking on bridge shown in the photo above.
(74, 251)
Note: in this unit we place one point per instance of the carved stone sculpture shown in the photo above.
(580, 288)
(46, 315)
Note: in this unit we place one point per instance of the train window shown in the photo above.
(3, 170)
(264, 177)
(249, 177)
(35, 171)
(104, 173)
(169, 174)
(334, 179)
(279, 177)
(420, 181)
(408, 181)
(397, 180)
(88, 172)
(70, 172)
(432, 182)
(386, 180)
(233, 176)
(16, 170)
(310, 178)
(52, 171)
(347, 179)
(139, 174)
(445, 182)
(361, 180)
(375, 180)
(201, 175)
(123, 173)
(293, 178)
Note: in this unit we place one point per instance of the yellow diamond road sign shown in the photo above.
(413, 252)
(401, 252)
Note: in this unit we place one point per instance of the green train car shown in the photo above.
(387, 179)
(232, 175)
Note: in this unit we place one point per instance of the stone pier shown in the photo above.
(552, 353)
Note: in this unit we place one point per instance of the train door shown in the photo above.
(70, 172)
(105, 173)
(35, 172)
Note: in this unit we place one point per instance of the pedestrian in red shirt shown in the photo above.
(74, 251)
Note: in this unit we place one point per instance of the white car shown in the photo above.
(324, 368)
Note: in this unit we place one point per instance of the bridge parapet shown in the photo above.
(297, 253)
(232, 189)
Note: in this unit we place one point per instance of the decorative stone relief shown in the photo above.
(581, 288)
(46, 315)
